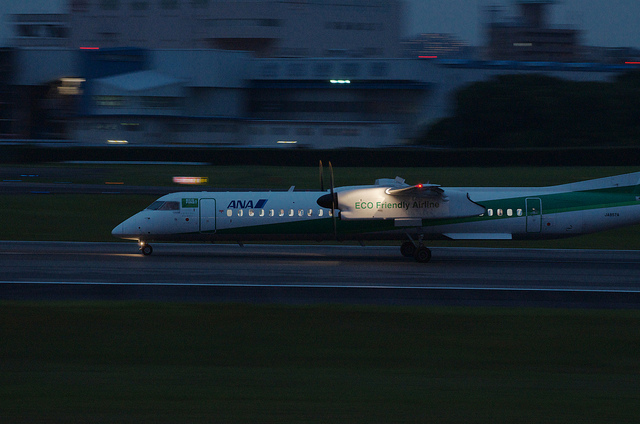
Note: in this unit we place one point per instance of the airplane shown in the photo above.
(390, 209)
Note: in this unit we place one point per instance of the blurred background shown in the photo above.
(320, 74)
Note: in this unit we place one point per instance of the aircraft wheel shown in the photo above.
(408, 249)
(423, 254)
(146, 250)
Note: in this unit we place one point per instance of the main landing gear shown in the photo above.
(419, 251)
(145, 248)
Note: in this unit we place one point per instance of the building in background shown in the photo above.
(261, 73)
(8, 109)
(229, 98)
(244, 101)
(267, 28)
(529, 37)
(437, 46)
(41, 30)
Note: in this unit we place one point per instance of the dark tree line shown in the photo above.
(542, 111)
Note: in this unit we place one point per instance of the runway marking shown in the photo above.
(325, 286)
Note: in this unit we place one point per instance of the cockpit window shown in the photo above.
(155, 205)
(170, 206)
(164, 206)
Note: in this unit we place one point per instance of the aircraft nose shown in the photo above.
(118, 230)
(126, 229)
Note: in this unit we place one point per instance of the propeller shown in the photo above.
(334, 201)
(329, 201)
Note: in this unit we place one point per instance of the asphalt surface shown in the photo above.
(293, 274)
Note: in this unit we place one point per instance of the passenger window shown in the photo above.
(261, 212)
(281, 213)
(499, 212)
(229, 212)
(240, 212)
(272, 212)
(320, 212)
(509, 212)
(489, 212)
(519, 212)
(251, 212)
(300, 212)
(310, 212)
(291, 212)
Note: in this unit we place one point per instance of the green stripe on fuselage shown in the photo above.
(551, 203)
(312, 227)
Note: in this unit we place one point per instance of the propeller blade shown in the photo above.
(333, 184)
(334, 202)
(329, 200)
(321, 178)
(335, 226)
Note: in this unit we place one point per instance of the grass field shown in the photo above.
(166, 363)
(66, 217)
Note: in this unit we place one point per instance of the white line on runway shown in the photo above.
(323, 286)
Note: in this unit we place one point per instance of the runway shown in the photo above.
(293, 274)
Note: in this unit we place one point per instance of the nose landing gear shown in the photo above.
(145, 248)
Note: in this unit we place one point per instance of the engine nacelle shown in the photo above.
(377, 203)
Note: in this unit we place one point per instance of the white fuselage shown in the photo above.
(366, 212)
